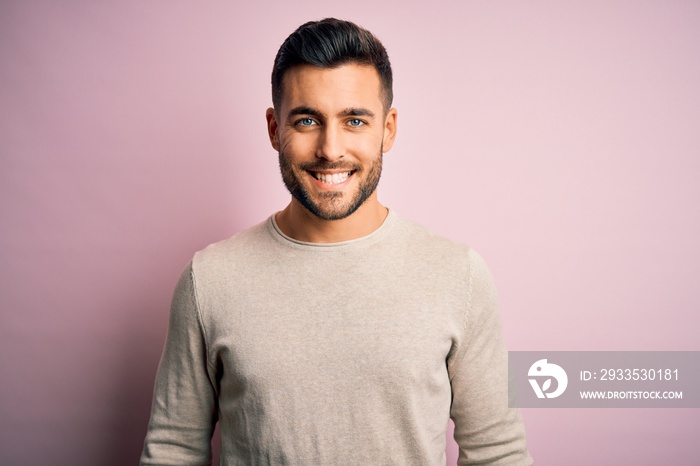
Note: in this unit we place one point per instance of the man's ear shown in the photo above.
(389, 129)
(272, 128)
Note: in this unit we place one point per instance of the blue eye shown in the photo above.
(306, 122)
(356, 122)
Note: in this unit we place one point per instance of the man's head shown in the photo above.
(332, 120)
(330, 43)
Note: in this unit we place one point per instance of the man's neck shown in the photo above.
(298, 223)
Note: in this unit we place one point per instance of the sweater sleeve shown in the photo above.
(487, 431)
(184, 410)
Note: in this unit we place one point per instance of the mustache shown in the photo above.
(326, 165)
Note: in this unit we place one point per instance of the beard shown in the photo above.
(331, 205)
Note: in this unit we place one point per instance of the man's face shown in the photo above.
(330, 132)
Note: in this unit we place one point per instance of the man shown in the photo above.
(336, 332)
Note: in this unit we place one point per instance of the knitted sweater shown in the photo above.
(351, 353)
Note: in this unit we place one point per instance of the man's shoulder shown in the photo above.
(245, 242)
(421, 238)
(436, 253)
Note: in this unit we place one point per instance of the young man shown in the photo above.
(336, 332)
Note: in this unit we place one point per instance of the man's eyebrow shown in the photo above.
(357, 112)
(351, 111)
(302, 110)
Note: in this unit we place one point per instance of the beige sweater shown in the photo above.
(352, 353)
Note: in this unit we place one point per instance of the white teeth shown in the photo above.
(334, 178)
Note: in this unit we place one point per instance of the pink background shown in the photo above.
(560, 139)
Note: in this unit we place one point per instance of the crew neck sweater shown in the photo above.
(351, 353)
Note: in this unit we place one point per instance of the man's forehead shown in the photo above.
(346, 86)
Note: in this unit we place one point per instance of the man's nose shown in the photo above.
(331, 146)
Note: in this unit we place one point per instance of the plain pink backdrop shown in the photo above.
(558, 138)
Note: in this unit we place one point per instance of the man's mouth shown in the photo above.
(332, 178)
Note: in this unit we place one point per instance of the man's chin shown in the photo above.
(331, 206)
(331, 214)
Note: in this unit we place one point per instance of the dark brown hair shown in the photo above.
(330, 43)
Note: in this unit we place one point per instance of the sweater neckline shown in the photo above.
(362, 241)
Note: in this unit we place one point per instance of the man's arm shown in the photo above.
(184, 411)
(486, 430)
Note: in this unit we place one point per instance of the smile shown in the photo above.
(332, 178)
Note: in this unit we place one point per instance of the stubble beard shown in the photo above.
(331, 205)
